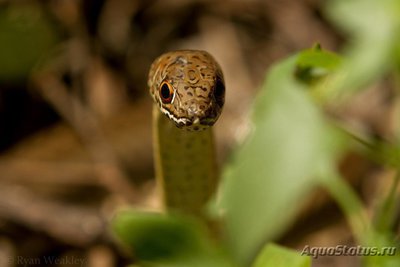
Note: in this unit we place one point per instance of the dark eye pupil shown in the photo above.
(219, 88)
(165, 92)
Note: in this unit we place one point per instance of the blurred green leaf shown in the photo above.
(314, 64)
(374, 28)
(26, 37)
(318, 58)
(277, 256)
(161, 240)
(385, 244)
(153, 236)
(271, 173)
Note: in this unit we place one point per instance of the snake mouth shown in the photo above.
(197, 121)
(196, 124)
(208, 121)
(201, 125)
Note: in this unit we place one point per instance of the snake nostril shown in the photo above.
(197, 107)
(196, 110)
(192, 109)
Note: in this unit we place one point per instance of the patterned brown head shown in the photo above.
(188, 86)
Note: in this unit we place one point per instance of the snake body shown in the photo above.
(188, 91)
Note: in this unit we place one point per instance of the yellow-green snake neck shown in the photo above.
(188, 92)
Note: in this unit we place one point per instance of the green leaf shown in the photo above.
(160, 240)
(272, 172)
(152, 236)
(273, 255)
(374, 28)
(314, 64)
(318, 58)
(26, 37)
(387, 252)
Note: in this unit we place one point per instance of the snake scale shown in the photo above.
(188, 90)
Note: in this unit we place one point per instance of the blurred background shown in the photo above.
(75, 115)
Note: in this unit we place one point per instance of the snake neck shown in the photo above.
(186, 168)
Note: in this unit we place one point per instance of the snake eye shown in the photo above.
(219, 90)
(166, 93)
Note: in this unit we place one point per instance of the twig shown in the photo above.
(87, 127)
(70, 224)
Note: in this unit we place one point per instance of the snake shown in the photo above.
(188, 92)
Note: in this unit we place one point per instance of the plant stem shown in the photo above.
(350, 204)
(386, 213)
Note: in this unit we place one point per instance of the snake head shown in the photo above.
(188, 87)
